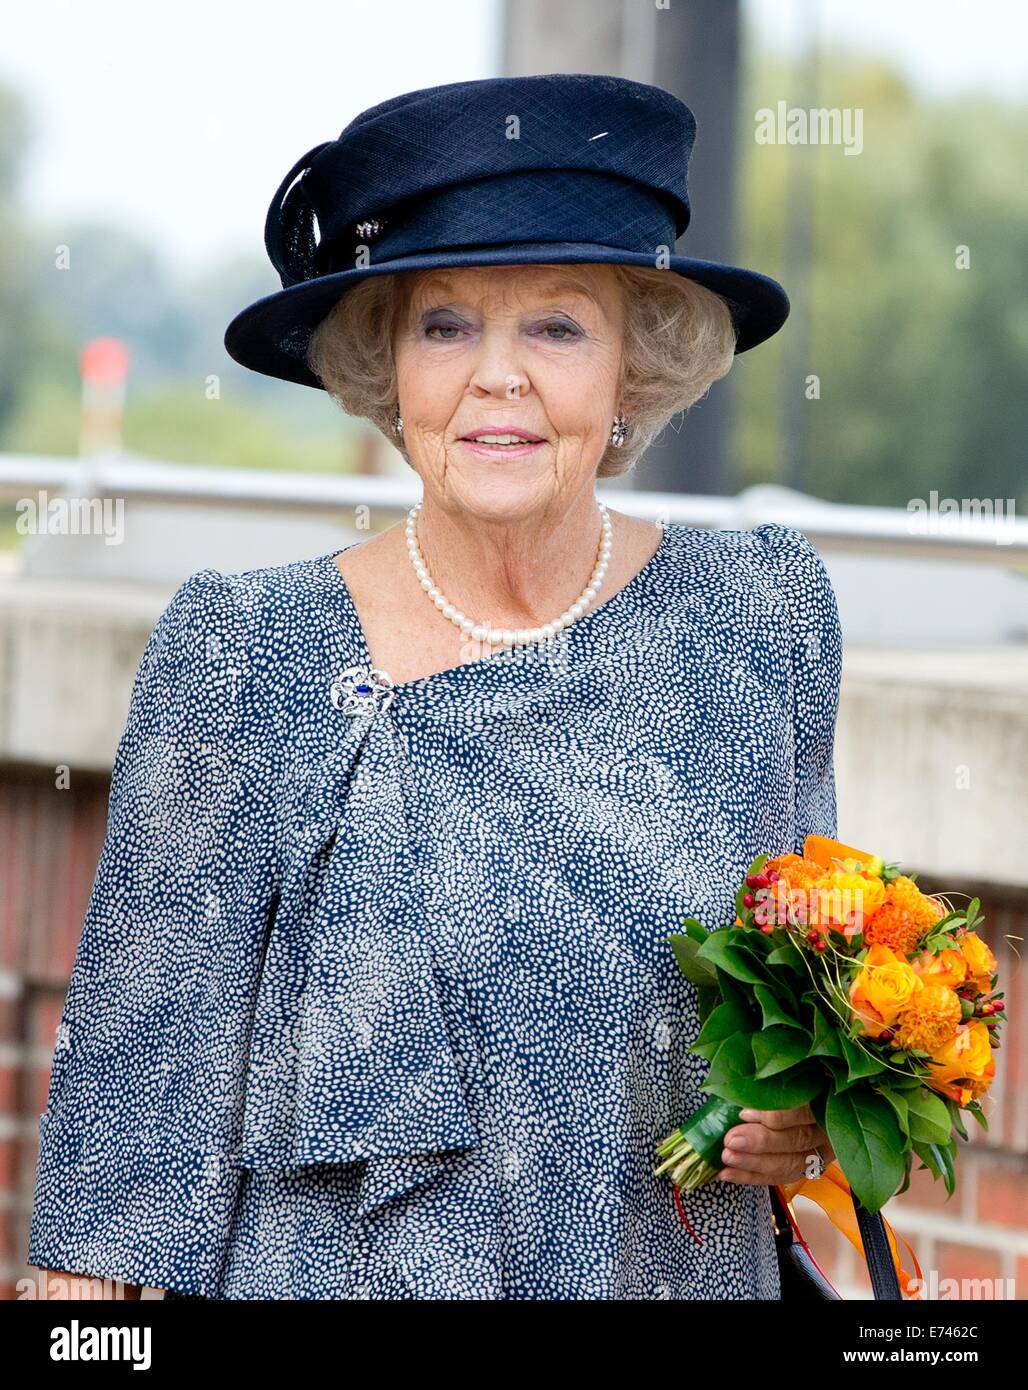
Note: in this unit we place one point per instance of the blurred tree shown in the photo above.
(16, 314)
(920, 364)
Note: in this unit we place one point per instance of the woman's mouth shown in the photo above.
(498, 444)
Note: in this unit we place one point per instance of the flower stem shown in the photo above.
(692, 1153)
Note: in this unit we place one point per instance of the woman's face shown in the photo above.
(510, 348)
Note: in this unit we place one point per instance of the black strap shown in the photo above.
(880, 1264)
(801, 1279)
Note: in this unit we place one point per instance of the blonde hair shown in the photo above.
(679, 339)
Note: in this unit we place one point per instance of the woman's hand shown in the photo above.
(773, 1146)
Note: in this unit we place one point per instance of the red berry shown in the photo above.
(748, 899)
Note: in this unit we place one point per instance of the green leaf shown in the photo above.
(929, 1119)
(719, 950)
(696, 931)
(726, 1020)
(837, 1071)
(866, 1137)
(735, 989)
(945, 1159)
(817, 1107)
(732, 1078)
(954, 1115)
(776, 1049)
(708, 997)
(826, 1037)
(927, 1154)
(907, 1157)
(859, 1064)
(788, 956)
(939, 1162)
(901, 1106)
(773, 1010)
(698, 972)
(741, 910)
(976, 1110)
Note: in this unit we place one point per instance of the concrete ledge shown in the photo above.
(68, 657)
(930, 754)
(930, 757)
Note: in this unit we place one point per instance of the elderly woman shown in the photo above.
(374, 997)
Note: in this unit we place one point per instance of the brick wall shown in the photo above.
(50, 842)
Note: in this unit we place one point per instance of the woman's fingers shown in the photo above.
(771, 1167)
(780, 1119)
(746, 1140)
(773, 1146)
(745, 1175)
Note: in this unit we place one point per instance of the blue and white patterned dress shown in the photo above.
(382, 1005)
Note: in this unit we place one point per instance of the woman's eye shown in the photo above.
(444, 328)
(567, 331)
(555, 331)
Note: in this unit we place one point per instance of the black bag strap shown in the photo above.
(798, 1275)
(880, 1265)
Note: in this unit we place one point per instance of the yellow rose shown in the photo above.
(963, 1069)
(981, 963)
(846, 900)
(885, 985)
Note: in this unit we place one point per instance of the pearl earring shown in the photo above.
(619, 431)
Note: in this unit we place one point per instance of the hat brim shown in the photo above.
(272, 335)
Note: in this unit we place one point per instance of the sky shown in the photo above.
(942, 45)
(180, 121)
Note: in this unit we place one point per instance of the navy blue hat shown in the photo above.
(557, 168)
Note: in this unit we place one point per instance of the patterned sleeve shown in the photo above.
(817, 670)
(136, 1177)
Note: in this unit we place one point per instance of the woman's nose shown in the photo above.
(498, 368)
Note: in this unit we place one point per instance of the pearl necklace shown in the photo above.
(506, 636)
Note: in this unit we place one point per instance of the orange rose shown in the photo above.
(948, 968)
(981, 963)
(885, 985)
(963, 1069)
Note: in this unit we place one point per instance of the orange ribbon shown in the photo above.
(831, 1192)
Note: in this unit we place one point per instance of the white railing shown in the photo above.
(984, 531)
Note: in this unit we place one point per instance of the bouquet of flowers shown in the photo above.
(843, 986)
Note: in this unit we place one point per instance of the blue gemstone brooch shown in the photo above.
(362, 690)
